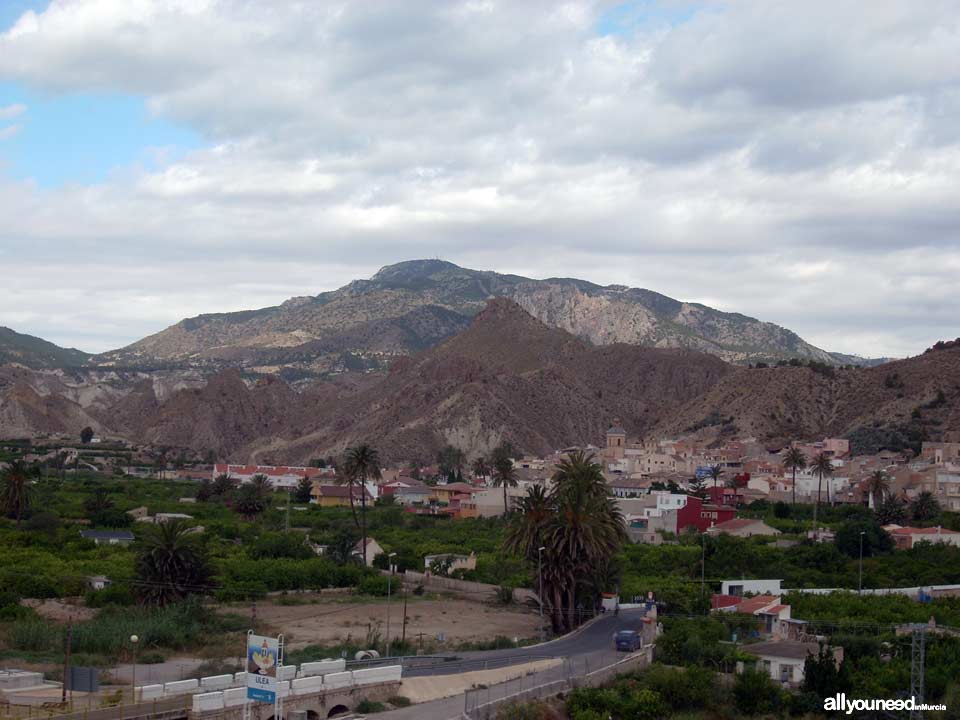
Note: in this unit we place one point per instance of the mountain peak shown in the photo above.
(410, 270)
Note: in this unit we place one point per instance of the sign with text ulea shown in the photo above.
(263, 658)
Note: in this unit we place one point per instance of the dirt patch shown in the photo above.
(60, 610)
(324, 620)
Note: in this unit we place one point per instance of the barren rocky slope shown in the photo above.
(412, 305)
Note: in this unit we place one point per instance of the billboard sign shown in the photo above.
(702, 472)
(263, 660)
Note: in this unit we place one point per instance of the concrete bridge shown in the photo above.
(318, 706)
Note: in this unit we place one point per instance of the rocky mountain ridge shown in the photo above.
(409, 306)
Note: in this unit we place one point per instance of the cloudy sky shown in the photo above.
(794, 161)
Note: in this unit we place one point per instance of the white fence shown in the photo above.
(218, 684)
(310, 685)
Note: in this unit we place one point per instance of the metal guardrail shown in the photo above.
(483, 703)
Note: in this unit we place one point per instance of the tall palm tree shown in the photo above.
(580, 528)
(588, 529)
(878, 487)
(504, 475)
(481, 467)
(794, 460)
(821, 467)
(262, 487)
(16, 492)
(715, 472)
(171, 563)
(360, 464)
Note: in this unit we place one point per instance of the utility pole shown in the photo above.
(860, 581)
(703, 564)
(66, 662)
(390, 558)
(918, 647)
(403, 630)
(540, 586)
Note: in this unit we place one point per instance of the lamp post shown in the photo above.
(133, 683)
(389, 588)
(540, 585)
(703, 562)
(860, 581)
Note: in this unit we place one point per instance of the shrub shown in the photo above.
(373, 585)
(755, 693)
(399, 701)
(370, 706)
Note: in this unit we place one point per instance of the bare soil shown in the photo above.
(326, 620)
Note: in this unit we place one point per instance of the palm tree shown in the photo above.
(715, 472)
(262, 487)
(99, 502)
(821, 467)
(924, 507)
(794, 460)
(301, 493)
(171, 563)
(504, 475)
(588, 529)
(223, 484)
(481, 467)
(16, 493)
(360, 464)
(878, 487)
(580, 528)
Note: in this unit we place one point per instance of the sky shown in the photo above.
(796, 162)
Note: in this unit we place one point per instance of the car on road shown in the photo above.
(628, 640)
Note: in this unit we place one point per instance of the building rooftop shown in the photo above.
(791, 649)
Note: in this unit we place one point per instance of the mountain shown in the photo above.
(413, 305)
(506, 376)
(897, 404)
(33, 352)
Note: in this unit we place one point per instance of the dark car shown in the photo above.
(628, 640)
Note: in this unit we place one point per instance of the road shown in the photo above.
(595, 637)
(589, 648)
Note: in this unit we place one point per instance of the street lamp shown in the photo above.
(860, 582)
(389, 588)
(703, 562)
(133, 683)
(540, 585)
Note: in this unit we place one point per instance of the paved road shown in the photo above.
(595, 637)
(588, 649)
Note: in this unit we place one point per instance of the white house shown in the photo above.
(783, 660)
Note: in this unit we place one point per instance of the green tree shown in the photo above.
(821, 467)
(204, 490)
(794, 460)
(716, 472)
(301, 493)
(891, 510)
(171, 563)
(754, 693)
(582, 531)
(360, 464)
(481, 467)
(875, 539)
(822, 676)
(249, 501)
(98, 502)
(698, 488)
(450, 460)
(223, 485)
(878, 487)
(16, 491)
(262, 486)
(504, 476)
(86, 435)
(924, 507)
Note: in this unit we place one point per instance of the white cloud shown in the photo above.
(9, 112)
(793, 161)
